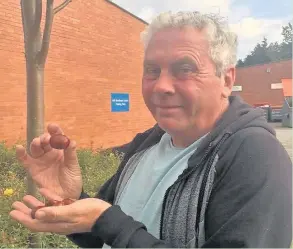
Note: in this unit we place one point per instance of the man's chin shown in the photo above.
(170, 126)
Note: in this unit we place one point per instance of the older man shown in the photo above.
(211, 173)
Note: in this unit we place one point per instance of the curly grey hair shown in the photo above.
(223, 43)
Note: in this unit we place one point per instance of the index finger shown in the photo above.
(32, 202)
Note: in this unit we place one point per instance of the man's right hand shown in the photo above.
(56, 170)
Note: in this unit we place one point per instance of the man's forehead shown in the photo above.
(175, 37)
(176, 43)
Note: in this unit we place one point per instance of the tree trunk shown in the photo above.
(35, 102)
(35, 108)
(36, 51)
(35, 123)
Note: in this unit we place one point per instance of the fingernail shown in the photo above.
(40, 214)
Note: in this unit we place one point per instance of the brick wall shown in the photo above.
(256, 82)
(95, 50)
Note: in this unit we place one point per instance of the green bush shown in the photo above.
(96, 166)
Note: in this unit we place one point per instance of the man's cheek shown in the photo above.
(193, 109)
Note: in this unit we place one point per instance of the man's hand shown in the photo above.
(78, 217)
(54, 169)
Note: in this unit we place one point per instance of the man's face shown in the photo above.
(179, 84)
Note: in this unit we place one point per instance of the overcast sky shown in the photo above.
(250, 19)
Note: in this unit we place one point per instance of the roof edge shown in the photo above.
(126, 11)
(263, 64)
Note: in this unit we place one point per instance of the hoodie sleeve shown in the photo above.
(117, 230)
(85, 240)
(251, 203)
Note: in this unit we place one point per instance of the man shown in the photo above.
(211, 173)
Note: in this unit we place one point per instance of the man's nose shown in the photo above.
(164, 84)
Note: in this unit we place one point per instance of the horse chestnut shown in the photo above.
(59, 142)
(67, 201)
(50, 203)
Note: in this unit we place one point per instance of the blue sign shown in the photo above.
(119, 102)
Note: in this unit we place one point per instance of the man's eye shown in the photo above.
(183, 71)
(152, 72)
(186, 70)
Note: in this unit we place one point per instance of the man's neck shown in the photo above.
(184, 140)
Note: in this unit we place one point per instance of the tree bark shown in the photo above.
(35, 101)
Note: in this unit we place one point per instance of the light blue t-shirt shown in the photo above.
(158, 169)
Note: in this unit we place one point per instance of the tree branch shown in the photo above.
(38, 18)
(61, 6)
(24, 21)
(42, 55)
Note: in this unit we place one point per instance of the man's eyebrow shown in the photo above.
(185, 59)
(182, 60)
(149, 62)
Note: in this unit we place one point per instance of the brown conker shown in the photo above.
(67, 201)
(59, 142)
(50, 203)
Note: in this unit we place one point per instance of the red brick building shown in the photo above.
(262, 84)
(95, 51)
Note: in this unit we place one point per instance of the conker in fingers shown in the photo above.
(59, 142)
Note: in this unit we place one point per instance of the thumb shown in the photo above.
(22, 156)
(54, 214)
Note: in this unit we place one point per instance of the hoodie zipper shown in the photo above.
(201, 193)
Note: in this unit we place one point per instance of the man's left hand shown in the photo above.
(78, 217)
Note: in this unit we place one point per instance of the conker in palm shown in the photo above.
(51, 203)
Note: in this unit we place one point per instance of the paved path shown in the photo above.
(285, 136)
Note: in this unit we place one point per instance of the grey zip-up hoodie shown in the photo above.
(236, 191)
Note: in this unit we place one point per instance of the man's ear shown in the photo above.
(228, 81)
